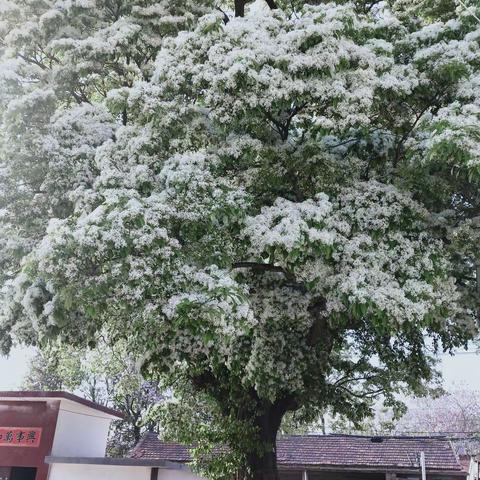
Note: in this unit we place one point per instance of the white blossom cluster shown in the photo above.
(215, 190)
(367, 249)
(269, 60)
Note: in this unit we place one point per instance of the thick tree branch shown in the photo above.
(364, 394)
(204, 381)
(33, 61)
(399, 149)
(257, 267)
(319, 330)
(282, 126)
(272, 4)
(348, 379)
(240, 8)
(261, 267)
(269, 267)
(369, 6)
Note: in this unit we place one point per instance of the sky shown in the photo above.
(14, 368)
(461, 370)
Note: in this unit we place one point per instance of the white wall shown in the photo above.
(80, 434)
(64, 471)
(473, 470)
(177, 475)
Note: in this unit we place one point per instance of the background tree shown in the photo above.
(266, 214)
(42, 374)
(455, 414)
(383, 422)
(106, 376)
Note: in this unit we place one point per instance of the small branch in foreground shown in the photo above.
(465, 6)
(226, 18)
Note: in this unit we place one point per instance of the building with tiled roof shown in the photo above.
(339, 457)
(60, 436)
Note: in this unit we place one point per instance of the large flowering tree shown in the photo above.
(276, 204)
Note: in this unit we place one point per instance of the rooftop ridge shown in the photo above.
(332, 451)
(402, 437)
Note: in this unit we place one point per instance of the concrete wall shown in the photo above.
(66, 471)
(80, 434)
(473, 470)
(164, 474)
(97, 472)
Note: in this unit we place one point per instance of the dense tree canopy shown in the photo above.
(276, 205)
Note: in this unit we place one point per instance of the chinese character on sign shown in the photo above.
(20, 437)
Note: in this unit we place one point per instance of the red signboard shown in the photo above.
(20, 436)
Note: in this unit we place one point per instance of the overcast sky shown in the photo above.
(459, 370)
(12, 369)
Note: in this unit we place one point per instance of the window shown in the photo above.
(23, 473)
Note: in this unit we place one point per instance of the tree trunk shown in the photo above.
(137, 433)
(263, 468)
(262, 462)
(240, 8)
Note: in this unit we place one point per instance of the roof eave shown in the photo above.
(366, 469)
(33, 395)
(109, 461)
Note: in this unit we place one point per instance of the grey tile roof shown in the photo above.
(343, 451)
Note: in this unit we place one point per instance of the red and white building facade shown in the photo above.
(59, 436)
